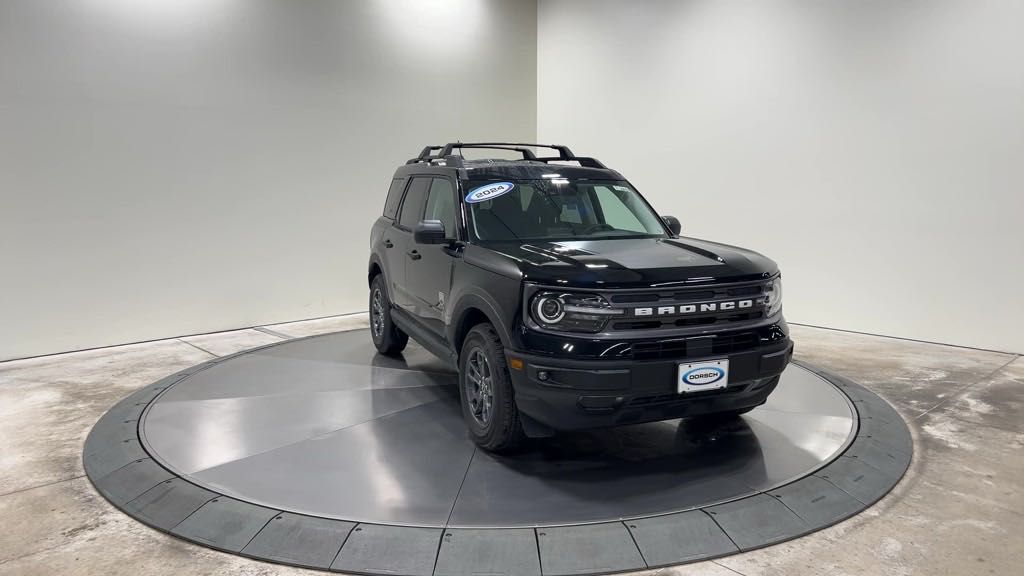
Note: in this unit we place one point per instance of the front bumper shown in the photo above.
(571, 394)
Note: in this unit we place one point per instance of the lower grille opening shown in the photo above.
(694, 347)
(669, 399)
(643, 325)
(695, 321)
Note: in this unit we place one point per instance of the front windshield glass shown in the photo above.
(558, 209)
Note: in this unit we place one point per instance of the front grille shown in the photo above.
(681, 322)
(676, 348)
(687, 296)
(691, 295)
(681, 308)
(745, 291)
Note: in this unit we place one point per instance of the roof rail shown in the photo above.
(445, 153)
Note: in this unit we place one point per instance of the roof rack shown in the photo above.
(445, 153)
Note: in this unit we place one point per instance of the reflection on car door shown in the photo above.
(428, 272)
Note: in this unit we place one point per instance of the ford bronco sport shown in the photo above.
(564, 300)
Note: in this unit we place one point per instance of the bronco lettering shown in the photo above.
(692, 308)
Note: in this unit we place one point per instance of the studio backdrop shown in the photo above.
(174, 167)
(182, 166)
(874, 149)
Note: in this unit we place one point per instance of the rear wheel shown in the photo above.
(386, 336)
(485, 388)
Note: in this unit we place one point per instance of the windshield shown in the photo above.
(558, 209)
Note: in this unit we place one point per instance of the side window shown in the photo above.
(441, 205)
(394, 198)
(412, 206)
(616, 210)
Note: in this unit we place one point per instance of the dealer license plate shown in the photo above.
(701, 376)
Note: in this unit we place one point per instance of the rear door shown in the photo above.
(382, 237)
(398, 240)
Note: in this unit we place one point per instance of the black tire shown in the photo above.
(386, 336)
(494, 425)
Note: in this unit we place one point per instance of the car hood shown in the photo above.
(634, 263)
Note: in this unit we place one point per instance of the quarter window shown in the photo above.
(394, 198)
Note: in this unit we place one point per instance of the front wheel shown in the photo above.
(387, 338)
(485, 388)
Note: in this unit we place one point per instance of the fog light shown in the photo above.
(542, 376)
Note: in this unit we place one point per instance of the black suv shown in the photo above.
(563, 298)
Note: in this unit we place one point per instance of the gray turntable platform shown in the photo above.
(318, 452)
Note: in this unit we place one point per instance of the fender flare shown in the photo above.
(485, 304)
(374, 261)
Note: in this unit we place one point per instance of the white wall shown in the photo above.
(180, 166)
(170, 167)
(875, 149)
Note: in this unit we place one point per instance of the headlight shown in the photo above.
(571, 312)
(773, 297)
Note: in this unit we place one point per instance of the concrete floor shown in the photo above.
(959, 510)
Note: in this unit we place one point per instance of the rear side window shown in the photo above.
(394, 198)
(412, 207)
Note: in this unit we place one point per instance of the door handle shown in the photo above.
(388, 243)
(414, 254)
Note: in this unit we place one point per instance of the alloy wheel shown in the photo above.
(377, 314)
(479, 387)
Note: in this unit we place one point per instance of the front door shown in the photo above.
(428, 270)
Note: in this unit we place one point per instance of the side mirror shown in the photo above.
(429, 232)
(673, 224)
